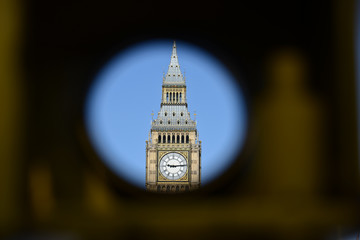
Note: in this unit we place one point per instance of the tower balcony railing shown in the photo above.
(173, 128)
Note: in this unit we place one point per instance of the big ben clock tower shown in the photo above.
(173, 151)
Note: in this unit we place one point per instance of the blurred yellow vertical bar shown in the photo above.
(41, 191)
(10, 114)
(98, 198)
(291, 118)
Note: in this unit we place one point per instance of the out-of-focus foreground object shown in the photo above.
(11, 116)
(297, 177)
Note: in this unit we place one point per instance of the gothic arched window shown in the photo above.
(180, 99)
(164, 138)
(167, 97)
(159, 139)
(178, 139)
(168, 139)
(187, 138)
(173, 139)
(182, 138)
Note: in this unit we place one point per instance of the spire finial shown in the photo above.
(174, 54)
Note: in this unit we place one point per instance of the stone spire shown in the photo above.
(174, 75)
(174, 114)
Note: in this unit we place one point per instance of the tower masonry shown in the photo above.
(173, 150)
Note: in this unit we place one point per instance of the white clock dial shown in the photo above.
(173, 166)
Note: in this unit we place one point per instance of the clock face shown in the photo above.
(173, 166)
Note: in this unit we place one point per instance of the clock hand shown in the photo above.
(173, 166)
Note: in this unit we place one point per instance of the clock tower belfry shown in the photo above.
(173, 150)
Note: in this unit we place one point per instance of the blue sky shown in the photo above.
(128, 88)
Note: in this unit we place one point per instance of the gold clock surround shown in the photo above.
(161, 178)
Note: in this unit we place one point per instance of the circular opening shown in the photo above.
(127, 89)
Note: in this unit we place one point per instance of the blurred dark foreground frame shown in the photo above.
(55, 186)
